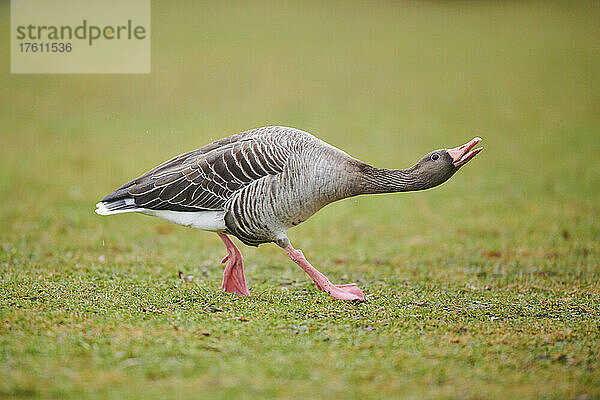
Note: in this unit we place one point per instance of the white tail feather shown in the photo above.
(102, 209)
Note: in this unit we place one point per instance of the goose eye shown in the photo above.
(435, 156)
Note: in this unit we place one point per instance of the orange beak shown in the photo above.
(462, 154)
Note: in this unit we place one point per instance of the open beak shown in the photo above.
(462, 154)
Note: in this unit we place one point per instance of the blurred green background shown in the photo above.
(385, 81)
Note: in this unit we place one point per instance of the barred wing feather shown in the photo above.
(204, 179)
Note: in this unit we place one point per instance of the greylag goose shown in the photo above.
(257, 184)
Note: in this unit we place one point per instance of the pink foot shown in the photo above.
(234, 280)
(350, 289)
(346, 292)
(342, 292)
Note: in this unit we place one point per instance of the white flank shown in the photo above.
(205, 220)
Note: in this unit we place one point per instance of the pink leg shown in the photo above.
(342, 292)
(234, 280)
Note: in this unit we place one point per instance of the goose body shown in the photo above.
(257, 184)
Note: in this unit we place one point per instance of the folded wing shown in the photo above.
(203, 179)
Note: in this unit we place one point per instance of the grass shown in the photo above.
(486, 287)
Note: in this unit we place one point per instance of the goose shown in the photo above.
(257, 184)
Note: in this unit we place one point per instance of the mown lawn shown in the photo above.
(486, 287)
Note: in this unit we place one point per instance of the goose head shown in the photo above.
(439, 165)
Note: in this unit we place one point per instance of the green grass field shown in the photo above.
(486, 287)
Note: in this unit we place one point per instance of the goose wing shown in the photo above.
(204, 179)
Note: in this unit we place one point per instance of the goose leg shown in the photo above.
(342, 292)
(234, 280)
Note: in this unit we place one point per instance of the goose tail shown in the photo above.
(117, 207)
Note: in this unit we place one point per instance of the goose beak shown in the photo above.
(462, 154)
